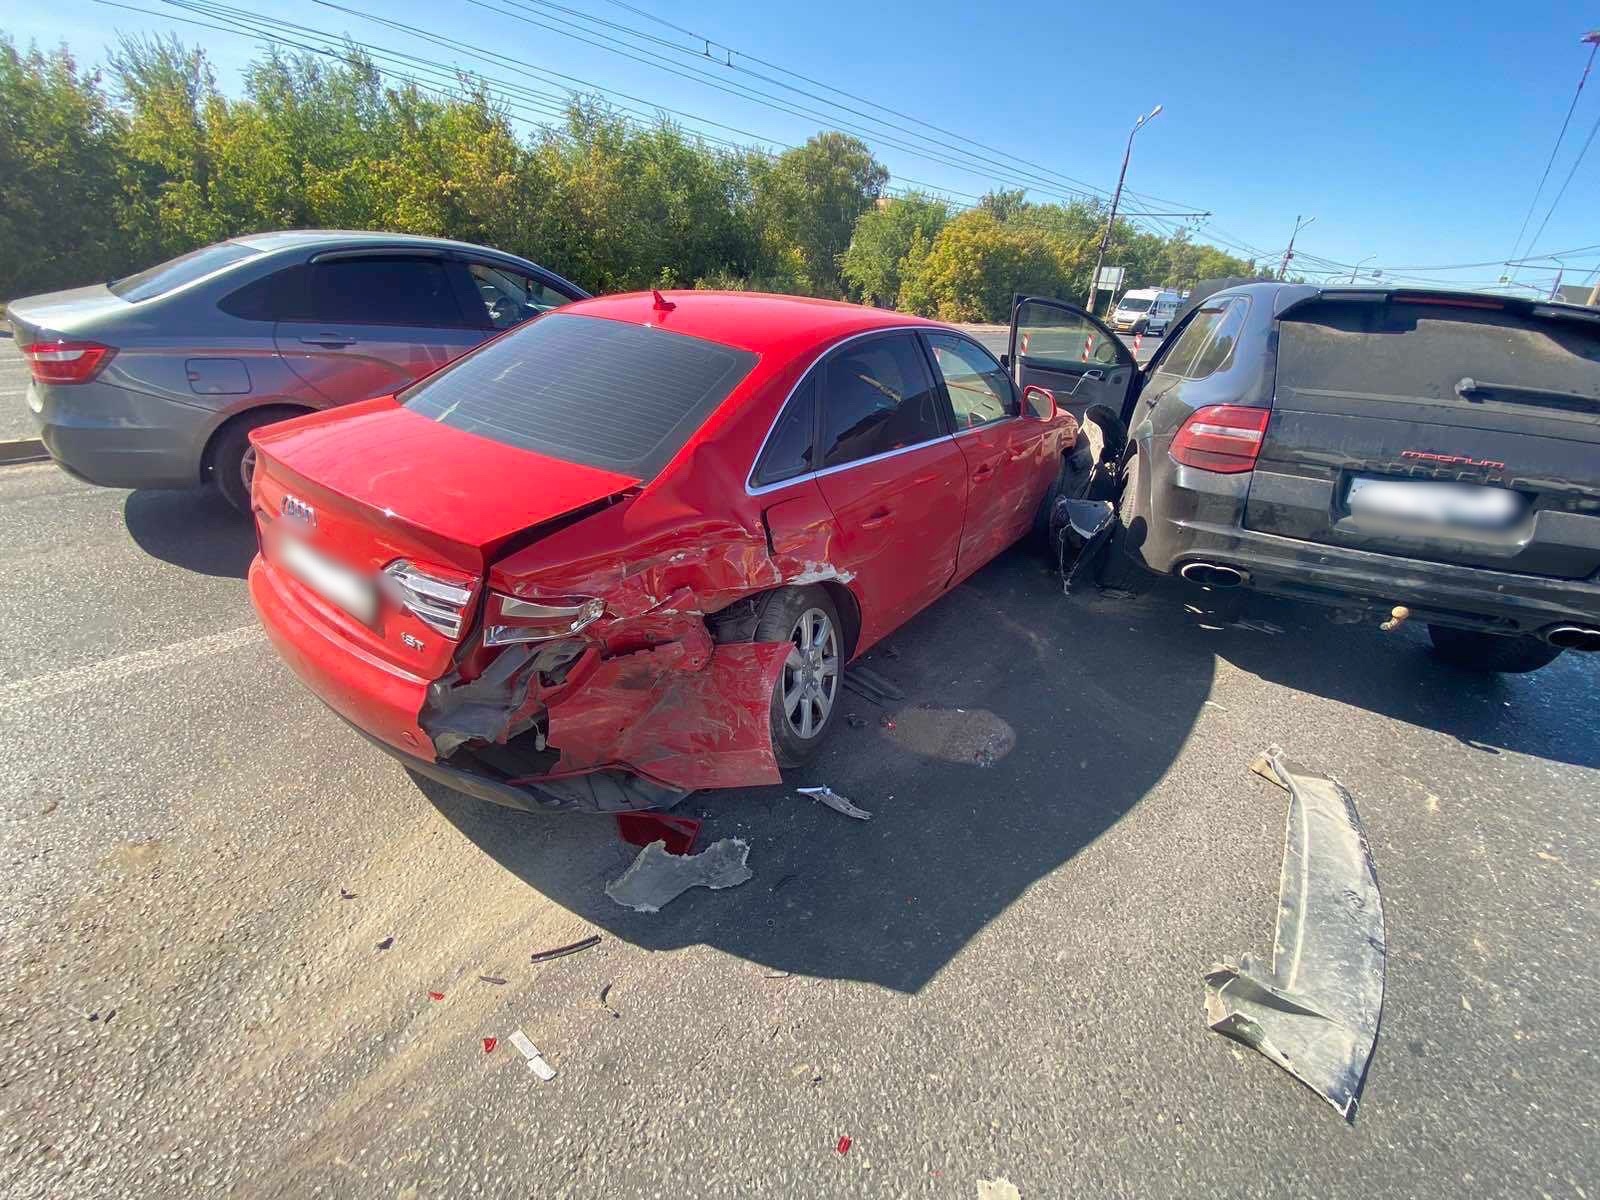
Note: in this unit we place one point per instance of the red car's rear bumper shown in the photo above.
(676, 722)
(376, 697)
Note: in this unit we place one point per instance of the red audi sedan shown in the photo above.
(629, 549)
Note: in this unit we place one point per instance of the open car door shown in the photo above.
(1059, 346)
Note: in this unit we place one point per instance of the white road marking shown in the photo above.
(110, 670)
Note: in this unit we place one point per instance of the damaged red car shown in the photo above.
(629, 549)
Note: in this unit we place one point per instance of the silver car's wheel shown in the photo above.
(247, 468)
(811, 673)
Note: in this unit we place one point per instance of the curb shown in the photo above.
(22, 450)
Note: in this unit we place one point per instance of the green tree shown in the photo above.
(59, 138)
(807, 201)
(882, 239)
(977, 263)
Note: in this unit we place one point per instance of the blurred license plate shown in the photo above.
(333, 581)
(1467, 505)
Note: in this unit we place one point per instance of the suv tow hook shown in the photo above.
(1397, 617)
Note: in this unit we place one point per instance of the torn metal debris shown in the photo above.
(657, 878)
(836, 802)
(1316, 1012)
(1080, 530)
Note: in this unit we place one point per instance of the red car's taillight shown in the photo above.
(66, 362)
(438, 602)
(512, 619)
(1225, 438)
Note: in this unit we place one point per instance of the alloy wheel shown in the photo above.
(811, 673)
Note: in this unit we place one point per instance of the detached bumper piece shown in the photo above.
(1080, 531)
(1316, 1012)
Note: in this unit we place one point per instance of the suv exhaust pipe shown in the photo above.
(1574, 637)
(1213, 574)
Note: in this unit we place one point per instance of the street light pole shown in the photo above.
(1116, 199)
(1359, 265)
(1283, 267)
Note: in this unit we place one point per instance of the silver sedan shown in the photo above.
(156, 380)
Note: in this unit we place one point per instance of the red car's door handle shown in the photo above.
(875, 518)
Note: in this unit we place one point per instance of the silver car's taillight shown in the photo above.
(439, 603)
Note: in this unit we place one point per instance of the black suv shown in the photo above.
(1362, 447)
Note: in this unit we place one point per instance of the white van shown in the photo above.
(1145, 310)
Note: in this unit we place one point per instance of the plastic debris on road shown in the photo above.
(386, 943)
(1316, 1012)
(497, 980)
(836, 802)
(999, 1188)
(642, 828)
(1080, 530)
(435, 995)
(489, 1044)
(562, 951)
(657, 878)
(536, 1062)
(844, 1144)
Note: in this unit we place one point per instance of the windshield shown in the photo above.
(174, 273)
(605, 394)
(1134, 303)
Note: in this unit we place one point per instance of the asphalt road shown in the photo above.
(999, 974)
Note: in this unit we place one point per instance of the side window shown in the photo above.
(877, 396)
(789, 448)
(978, 388)
(268, 298)
(510, 297)
(379, 291)
(1190, 341)
(1055, 338)
(1217, 353)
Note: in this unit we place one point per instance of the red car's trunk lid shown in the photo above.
(372, 483)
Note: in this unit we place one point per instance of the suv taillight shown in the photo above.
(512, 619)
(66, 362)
(439, 603)
(1224, 438)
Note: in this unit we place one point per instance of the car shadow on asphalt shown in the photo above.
(1032, 723)
(195, 529)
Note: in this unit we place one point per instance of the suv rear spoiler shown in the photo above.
(1292, 297)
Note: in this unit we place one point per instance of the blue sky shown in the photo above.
(1414, 134)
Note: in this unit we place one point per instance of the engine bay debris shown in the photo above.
(1316, 1012)
(656, 878)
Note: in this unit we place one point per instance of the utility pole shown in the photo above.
(1283, 267)
(1116, 198)
(1361, 264)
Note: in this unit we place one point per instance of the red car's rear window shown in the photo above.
(606, 394)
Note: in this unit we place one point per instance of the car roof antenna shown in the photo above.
(662, 303)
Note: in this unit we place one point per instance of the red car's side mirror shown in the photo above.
(1039, 403)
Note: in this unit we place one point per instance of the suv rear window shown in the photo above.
(602, 393)
(174, 273)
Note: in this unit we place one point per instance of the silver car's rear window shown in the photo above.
(175, 272)
(606, 394)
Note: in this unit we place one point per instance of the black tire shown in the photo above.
(1477, 651)
(1119, 570)
(782, 620)
(230, 454)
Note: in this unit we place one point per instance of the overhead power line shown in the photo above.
(1594, 39)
